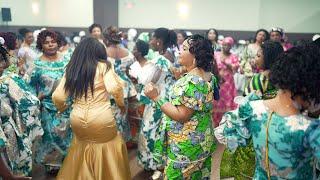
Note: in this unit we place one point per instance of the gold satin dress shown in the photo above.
(97, 151)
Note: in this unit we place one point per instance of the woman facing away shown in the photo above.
(286, 142)
(186, 136)
(97, 150)
(121, 59)
(241, 163)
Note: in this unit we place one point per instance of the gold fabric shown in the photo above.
(97, 150)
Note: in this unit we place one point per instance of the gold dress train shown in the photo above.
(97, 151)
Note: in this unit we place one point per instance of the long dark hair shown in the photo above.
(81, 69)
(265, 32)
(215, 31)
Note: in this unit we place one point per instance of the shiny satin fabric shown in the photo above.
(98, 151)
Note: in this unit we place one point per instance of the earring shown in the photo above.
(158, 43)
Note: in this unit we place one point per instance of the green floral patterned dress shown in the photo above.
(188, 146)
(57, 131)
(151, 119)
(241, 163)
(121, 67)
(19, 123)
(289, 150)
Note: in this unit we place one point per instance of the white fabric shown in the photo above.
(239, 81)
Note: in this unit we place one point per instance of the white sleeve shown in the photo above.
(135, 69)
(147, 74)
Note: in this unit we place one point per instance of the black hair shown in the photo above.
(317, 42)
(301, 42)
(42, 38)
(265, 32)
(4, 54)
(94, 25)
(215, 31)
(62, 38)
(183, 33)
(112, 35)
(203, 52)
(142, 47)
(270, 50)
(298, 70)
(24, 31)
(81, 70)
(10, 40)
(168, 37)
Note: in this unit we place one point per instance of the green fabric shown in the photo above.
(293, 144)
(19, 123)
(57, 132)
(192, 140)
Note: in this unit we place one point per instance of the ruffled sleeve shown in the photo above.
(312, 140)
(163, 63)
(233, 129)
(59, 96)
(192, 92)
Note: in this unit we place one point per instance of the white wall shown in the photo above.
(292, 15)
(58, 13)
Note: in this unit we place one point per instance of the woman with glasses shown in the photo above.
(187, 137)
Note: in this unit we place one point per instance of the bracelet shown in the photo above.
(161, 102)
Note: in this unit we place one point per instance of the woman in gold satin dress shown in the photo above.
(97, 151)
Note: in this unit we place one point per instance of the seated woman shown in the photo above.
(19, 122)
(286, 142)
(187, 135)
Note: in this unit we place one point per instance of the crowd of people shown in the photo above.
(76, 108)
